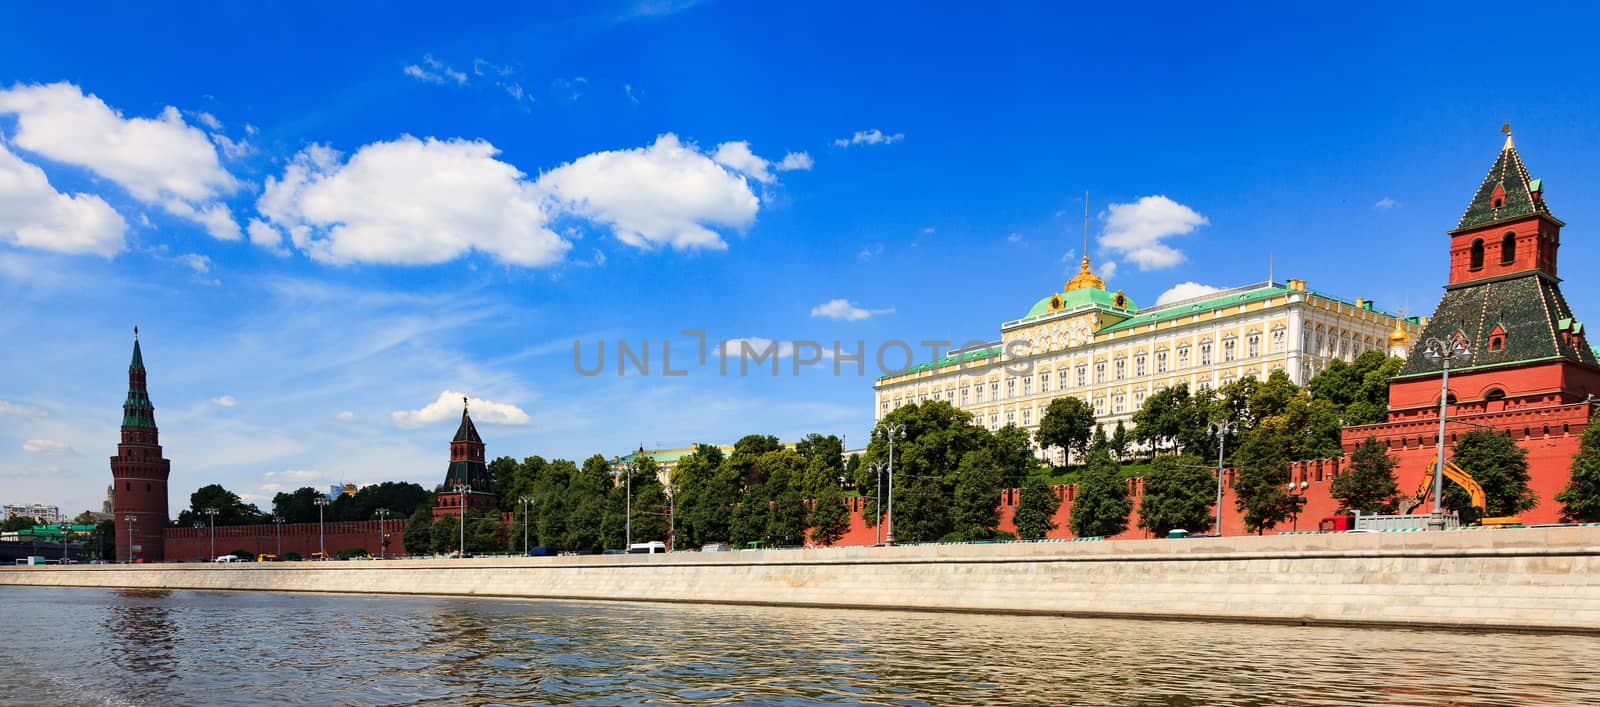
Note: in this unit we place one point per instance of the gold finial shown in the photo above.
(1400, 337)
(1507, 130)
(1085, 278)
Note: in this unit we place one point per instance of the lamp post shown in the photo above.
(1221, 430)
(877, 500)
(526, 501)
(1443, 353)
(278, 521)
(129, 519)
(198, 525)
(892, 431)
(461, 506)
(213, 513)
(322, 549)
(383, 537)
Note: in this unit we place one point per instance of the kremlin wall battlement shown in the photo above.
(1530, 579)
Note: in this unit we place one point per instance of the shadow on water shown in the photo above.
(191, 647)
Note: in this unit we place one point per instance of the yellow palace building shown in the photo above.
(1098, 346)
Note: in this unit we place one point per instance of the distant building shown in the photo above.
(37, 511)
(466, 481)
(139, 473)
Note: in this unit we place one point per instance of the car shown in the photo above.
(228, 558)
(650, 548)
(716, 547)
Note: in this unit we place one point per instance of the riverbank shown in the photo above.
(1530, 579)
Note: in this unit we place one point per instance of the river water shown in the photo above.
(115, 647)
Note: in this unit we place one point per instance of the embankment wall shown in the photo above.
(1537, 579)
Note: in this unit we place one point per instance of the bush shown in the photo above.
(351, 552)
(292, 556)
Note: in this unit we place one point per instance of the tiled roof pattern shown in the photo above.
(1163, 314)
(468, 432)
(1529, 307)
(1508, 173)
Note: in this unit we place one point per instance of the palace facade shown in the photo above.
(1097, 345)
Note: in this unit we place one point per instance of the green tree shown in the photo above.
(977, 496)
(230, 509)
(298, 506)
(1498, 465)
(1263, 475)
(1369, 485)
(504, 481)
(1580, 500)
(1101, 506)
(418, 535)
(444, 537)
(1311, 428)
(1067, 424)
(828, 450)
(746, 452)
(921, 511)
(830, 519)
(486, 532)
(1179, 492)
(588, 498)
(1273, 395)
(1036, 509)
(1012, 453)
(16, 522)
(1119, 440)
(935, 437)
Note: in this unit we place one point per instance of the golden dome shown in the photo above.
(1085, 278)
(1399, 337)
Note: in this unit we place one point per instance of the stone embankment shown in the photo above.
(1532, 579)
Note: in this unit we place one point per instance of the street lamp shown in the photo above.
(526, 501)
(877, 500)
(213, 513)
(322, 549)
(198, 525)
(1443, 353)
(129, 519)
(461, 506)
(383, 537)
(892, 431)
(1221, 430)
(278, 521)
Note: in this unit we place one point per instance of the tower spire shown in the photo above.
(1507, 130)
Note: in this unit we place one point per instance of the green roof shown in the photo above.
(1180, 310)
(1079, 298)
(467, 432)
(1528, 306)
(1522, 195)
(138, 359)
(963, 357)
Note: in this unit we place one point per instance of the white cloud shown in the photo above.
(569, 89)
(1386, 203)
(754, 347)
(1108, 269)
(1136, 231)
(45, 446)
(627, 89)
(869, 137)
(665, 194)
(208, 120)
(161, 160)
(346, 415)
(411, 202)
(233, 149)
(226, 401)
(266, 236)
(436, 72)
(293, 475)
(35, 215)
(738, 157)
(448, 407)
(18, 410)
(1014, 238)
(869, 252)
(196, 262)
(794, 161)
(1183, 291)
(841, 309)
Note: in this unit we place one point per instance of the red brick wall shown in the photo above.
(190, 544)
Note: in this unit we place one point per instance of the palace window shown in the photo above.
(1011, 418)
(1121, 367)
(964, 395)
(1508, 249)
(1083, 375)
(1161, 361)
(1228, 349)
(1061, 377)
(1205, 354)
(1138, 365)
(1278, 335)
(1027, 416)
(1100, 372)
(1138, 399)
(1183, 357)
(1476, 255)
(884, 406)
(1011, 387)
(1027, 386)
(994, 422)
(994, 390)
(1044, 382)
(977, 392)
(1252, 345)
(1117, 403)
(1099, 406)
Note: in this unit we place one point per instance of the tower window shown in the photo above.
(1477, 254)
(1508, 249)
(1494, 394)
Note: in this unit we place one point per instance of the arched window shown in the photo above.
(1494, 394)
(1508, 249)
(1477, 254)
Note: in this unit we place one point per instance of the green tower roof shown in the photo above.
(1507, 193)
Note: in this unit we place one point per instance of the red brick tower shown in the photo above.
(139, 473)
(466, 467)
(1532, 371)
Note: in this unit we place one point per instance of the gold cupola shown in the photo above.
(1399, 337)
(1084, 279)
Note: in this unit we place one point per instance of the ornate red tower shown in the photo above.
(1532, 372)
(139, 473)
(467, 469)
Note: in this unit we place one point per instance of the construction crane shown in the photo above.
(1478, 498)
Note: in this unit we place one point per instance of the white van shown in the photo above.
(227, 558)
(649, 548)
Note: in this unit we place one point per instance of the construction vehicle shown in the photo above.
(1474, 492)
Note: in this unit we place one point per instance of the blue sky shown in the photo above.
(330, 223)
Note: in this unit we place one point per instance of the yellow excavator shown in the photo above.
(1475, 492)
